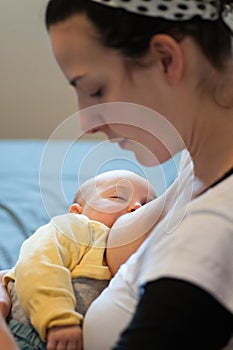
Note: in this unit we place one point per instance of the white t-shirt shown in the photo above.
(198, 249)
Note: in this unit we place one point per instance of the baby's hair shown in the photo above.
(78, 198)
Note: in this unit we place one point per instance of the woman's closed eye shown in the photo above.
(97, 93)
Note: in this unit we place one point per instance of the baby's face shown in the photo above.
(113, 194)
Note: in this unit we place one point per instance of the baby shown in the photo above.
(62, 266)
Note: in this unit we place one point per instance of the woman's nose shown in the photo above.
(90, 120)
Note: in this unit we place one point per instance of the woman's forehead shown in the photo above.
(69, 36)
(77, 49)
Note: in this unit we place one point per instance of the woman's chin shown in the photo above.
(146, 161)
(142, 154)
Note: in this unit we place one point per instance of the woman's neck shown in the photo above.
(212, 147)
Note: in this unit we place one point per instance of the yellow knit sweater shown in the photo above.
(69, 246)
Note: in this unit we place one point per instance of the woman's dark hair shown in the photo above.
(131, 33)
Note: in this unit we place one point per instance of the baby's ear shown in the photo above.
(75, 208)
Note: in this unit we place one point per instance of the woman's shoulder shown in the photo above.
(217, 199)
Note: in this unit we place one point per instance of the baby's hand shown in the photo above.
(65, 338)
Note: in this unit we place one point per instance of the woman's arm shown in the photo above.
(5, 303)
(173, 314)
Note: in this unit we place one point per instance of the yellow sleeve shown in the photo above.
(43, 273)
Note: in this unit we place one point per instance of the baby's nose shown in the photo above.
(135, 206)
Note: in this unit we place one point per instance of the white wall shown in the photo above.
(34, 95)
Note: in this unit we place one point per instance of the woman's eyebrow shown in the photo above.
(76, 79)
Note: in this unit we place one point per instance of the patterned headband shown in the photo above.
(175, 9)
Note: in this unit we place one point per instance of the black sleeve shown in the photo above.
(176, 315)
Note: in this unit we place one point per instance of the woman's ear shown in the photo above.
(76, 208)
(168, 51)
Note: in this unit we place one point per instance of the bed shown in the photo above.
(38, 179)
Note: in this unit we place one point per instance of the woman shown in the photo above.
(173, 57)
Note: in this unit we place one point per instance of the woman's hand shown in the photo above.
(6, 338)
(65, 338)
(5, 303)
